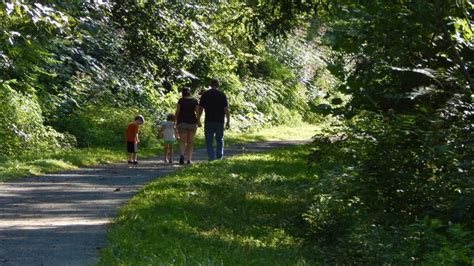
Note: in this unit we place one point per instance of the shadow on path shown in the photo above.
(61, 218)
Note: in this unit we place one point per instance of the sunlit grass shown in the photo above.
(296, 132)
(37, 164)
(17, 168)
(245, 210)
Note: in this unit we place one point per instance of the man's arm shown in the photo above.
(227, 115)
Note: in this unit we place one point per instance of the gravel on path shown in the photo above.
(62, 218)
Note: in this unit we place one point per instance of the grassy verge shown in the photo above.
(245, 210)
(37, 164)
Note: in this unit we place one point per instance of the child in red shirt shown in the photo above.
(132, 139)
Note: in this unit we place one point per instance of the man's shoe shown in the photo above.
(181, 159)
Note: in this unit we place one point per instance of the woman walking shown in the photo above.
(187, 124)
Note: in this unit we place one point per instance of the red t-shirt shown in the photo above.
(132, 132)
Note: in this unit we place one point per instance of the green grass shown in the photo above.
(38, 164)
(245, 210)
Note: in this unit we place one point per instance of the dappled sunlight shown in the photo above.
(272, 239)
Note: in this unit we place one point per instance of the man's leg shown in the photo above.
(220, 141)
(209, 132)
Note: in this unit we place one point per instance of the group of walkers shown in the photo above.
(183, 124)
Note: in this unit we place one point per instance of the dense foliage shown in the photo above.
(396, 168)
(79, 71)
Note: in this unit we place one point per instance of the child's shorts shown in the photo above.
(132, 147)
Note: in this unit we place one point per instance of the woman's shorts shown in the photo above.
(170, 141)
(187, 127)
(132, 147)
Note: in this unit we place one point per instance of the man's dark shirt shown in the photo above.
(214, 101)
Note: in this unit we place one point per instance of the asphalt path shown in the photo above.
(62, 218)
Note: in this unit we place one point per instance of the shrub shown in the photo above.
(392, 191)
(427, 241)
(23, 126)
(102, 126)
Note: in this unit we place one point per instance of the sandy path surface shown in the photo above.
(62, 218)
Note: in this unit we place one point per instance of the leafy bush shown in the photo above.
(427, 241)
(23, 126)
(258, 102)
(106, 126)
(392, 192)
(396, 171)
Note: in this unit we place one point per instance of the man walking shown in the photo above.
(214, 103)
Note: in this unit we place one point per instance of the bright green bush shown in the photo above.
(262, 102)
(23, 126)
(105, 126)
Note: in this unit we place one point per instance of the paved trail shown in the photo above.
(62, 218)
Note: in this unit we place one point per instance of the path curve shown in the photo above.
(62, 218)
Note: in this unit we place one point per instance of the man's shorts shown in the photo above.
(132, 147)
(186, 128)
